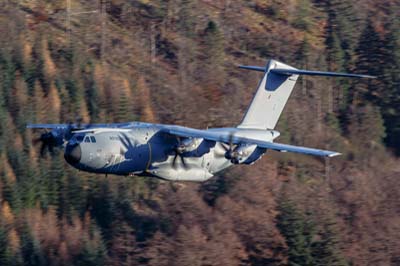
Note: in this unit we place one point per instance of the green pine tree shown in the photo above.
(298, 233)
(326, 251)
(30, 249)
(6, 257)
(91, 255)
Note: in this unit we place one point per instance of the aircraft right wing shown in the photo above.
(232, 135)
(298, 149)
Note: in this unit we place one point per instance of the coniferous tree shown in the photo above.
(214, 54)
(302, 60)
(302, 18)
(298, 233)
(91, 93)
(5, 252)
(188, 50)
(8, 69)
(390, 99)
(326, 251)
(101, 202)
(30, 249)
(90, 255)
(366, 121)
(369, 61)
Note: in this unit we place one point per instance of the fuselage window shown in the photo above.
(93, 139)
(87, 139)
(79, 138)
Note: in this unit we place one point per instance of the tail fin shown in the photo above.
(273, 92)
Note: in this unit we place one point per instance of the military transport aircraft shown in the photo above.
(179, 153)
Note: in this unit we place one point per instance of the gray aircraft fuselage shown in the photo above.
(143, 149)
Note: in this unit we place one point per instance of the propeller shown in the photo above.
(228, 148)
(55, 138)
(231, 150)
(48, 141)
(179, 149)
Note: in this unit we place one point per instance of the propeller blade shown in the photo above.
(224, 146)
(43, 149)
(231, 142)
(174, 160)
(183, 162)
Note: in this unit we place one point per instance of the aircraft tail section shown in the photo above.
(271, 96)
(274, 90)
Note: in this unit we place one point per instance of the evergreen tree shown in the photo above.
(326, 251)
(30, 249)
(90, 255)
(302, 19)
(124, 108)
(101, 202)
(369, 61)
(366, 121)
(212, 72)
(390, 98)
(6, 257)
(188, 50)
(75, 194)
(298, 233)
(302, 60)
(91, 93)
(7, 78)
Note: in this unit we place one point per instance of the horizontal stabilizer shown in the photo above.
(289, 72)
(255, 68)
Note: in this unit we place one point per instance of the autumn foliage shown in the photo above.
(174, 62)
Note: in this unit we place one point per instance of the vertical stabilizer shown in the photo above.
(272, 94)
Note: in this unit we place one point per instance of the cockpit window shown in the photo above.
(87, 139)
(93, 139)
(79, 138)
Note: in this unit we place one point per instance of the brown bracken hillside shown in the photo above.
(175, 62)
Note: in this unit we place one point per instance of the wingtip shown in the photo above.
(334, 154)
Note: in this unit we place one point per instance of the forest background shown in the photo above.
(175, 62)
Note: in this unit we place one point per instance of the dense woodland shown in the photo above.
(175, 62)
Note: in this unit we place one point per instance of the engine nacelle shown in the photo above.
(187, 145)
(240, 154)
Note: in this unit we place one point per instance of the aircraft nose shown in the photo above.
(73, 153)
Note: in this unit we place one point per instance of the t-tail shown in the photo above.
(274, 90)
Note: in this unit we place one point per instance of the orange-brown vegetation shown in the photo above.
(174, 62)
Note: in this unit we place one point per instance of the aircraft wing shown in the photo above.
(77, 126)
(47, 126)
(228, 136)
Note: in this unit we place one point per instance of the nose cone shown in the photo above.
(73, 153)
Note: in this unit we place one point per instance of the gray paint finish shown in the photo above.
(179, 153)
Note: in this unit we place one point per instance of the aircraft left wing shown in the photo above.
(229, 135)
(76, 126)
(47, 126)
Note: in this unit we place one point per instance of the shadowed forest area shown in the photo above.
(175, 62)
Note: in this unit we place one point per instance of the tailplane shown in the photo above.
(274, 90)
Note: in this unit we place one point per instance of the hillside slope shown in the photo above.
(175, 62)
